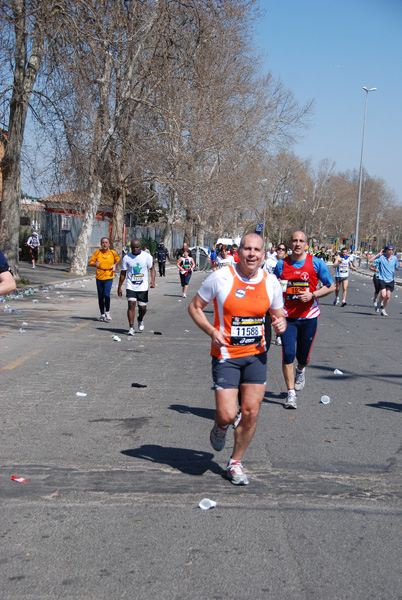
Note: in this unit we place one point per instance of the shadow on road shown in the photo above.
(191, 462)
(271, 398)
(329, 374)
(204, 413)
(392, 406)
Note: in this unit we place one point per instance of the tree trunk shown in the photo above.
(200, 233)
(167, 233)
(80, 259)
(25, 74)
(189, 227)
(119, 205)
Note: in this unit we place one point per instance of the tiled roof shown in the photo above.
(71, 199)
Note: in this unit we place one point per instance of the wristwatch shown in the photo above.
(313, 296)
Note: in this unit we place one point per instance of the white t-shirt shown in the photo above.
(137, 267)
(33, 241)
(270, 264)
(224, 262)
(342, 270)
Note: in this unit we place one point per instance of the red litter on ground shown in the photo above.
(18, 479)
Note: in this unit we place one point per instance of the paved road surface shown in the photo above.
(114, 478)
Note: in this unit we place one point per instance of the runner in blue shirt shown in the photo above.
(387, 264)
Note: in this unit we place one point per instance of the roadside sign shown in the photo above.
(259, 228)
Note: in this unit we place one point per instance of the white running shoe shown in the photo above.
(235, 473)
(218, 436)
(131, 331)
(300, 380)
(336, 301)
(141, 326)
(108, 317)
(375, 302)
(384, 313)
(291, 401)
(237, 420)
(102, 318)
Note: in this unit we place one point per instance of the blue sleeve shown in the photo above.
(3, 263)
(279, 268)
(322, 271)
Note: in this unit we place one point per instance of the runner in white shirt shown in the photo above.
(224, 259)
(33, 244)
(342, 264)
(135, 266)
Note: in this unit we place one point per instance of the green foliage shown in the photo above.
(23, 281)
(150, 244)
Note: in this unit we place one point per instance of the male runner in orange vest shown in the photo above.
(242, 294)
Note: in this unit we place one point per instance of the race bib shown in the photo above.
(343, 269)
(246, 331)
(137, 278)
(294, 288)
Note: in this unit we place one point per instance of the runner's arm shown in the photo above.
(7, 283)
(121, 280)
(153, 275)
(196, 311)
(372, 259)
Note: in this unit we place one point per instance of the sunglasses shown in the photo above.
(282, 249)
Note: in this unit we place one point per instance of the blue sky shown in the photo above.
(327, 50)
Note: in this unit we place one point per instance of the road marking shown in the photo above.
(19, 361)
(80, 326)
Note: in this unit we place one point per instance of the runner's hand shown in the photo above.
(218, 339)
(305, 296)
(278, 324)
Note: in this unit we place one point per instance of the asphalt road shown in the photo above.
(115, 477)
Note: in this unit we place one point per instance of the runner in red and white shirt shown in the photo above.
(242, 294)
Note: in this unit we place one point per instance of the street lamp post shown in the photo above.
(367, 90)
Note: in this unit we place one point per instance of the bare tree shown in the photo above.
(27, 29)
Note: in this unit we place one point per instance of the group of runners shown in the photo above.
(138, 271)
(287, 290)
(251, 292)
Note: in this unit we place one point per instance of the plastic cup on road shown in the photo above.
(325, 400)
(206, 504)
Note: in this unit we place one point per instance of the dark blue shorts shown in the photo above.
(298, 340)
(386, 285)
(185, 278)
(230, 373)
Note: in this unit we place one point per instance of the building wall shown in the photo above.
(62, 231)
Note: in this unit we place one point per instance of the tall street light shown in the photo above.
(367, 90)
